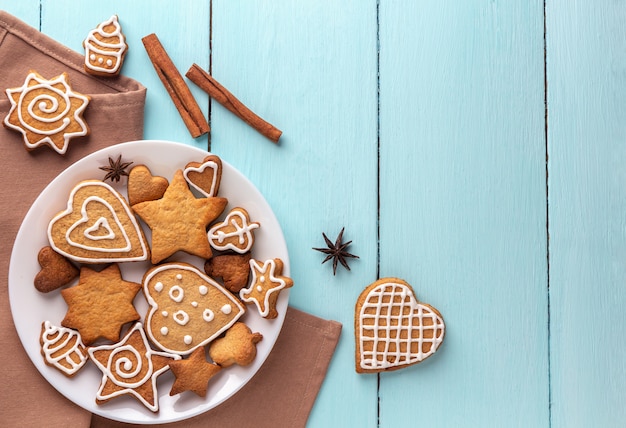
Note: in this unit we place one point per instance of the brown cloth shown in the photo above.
(296, 366)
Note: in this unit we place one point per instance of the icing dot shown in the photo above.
(261, 278)
(92, 57)
(164, 313)
(259, 288)
(177, 293)
(158, 286)
(164, 331)
(203, 289)
(181, 317)
(109, 62)
(194, 304)
(179, 276)
(188, 339)
(100, 60)
(208, 315)
(226, 309)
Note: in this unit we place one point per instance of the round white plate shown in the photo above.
(30, 308)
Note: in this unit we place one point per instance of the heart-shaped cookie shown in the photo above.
(143, 186)
(205, 176)
(187, 308)
(234, 233)
(98, 226)
(56, 270)
(392, 329)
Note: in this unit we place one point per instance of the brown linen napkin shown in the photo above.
(115, 114)
(297, 376)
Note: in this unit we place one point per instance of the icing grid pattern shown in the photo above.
(387, 328)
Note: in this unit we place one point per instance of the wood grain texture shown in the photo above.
(182, 27)
(586, 57)
(309, 68)
(462, 207)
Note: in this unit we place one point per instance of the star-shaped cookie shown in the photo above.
(267, 282)
(193, 374)
(130, 367)
(100, 304)
(179, 220)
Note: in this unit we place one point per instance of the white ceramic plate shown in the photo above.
(30, 307)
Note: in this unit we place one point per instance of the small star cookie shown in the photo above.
(267, 283)
(193, 374)
(179, 220)
(130, 367)
(100, 304)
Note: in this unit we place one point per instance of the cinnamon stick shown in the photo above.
(176, 87)
(216, 91)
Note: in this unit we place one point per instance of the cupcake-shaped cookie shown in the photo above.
(105, 48)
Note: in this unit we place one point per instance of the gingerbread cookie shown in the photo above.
(193, 374)
(130, 367)
(178, 220)
(105, 49)
(143, 186)
(47, 112)
(62, 348)
(187, 308)
(98, 226)
(393, 330)
(206, 176)
(267, 283)
(234, 233)
(56, 271)
(238, 346)
(100, 304)
(234, 269)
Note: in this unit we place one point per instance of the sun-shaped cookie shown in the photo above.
(267, 283)
(47, 112)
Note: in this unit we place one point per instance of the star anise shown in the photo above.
(116, 169)
(336, 251)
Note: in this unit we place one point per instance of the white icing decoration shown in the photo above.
(165, 313)
(200, 170)
(101, 223)
(194, 304)
(158, 286)
(62, 337)
(226, 309)
(164, 331)
(179, 276)
(181, 317)
(187, 339)
(203, 290)
(92, 57)
(268, 268)
(259, 288)
(243, 231)
(126, 367)
(92, 44)
(208, 315)
(177, 293)
(381, 298)
(143, 255)
(50, 99)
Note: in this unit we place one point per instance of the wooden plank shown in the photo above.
(586, 134)
(309, 68)
(463, 206)
(182, 27)
(27, 10)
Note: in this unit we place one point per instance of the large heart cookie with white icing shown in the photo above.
(393, 330)
(98, 226)
(187, 308)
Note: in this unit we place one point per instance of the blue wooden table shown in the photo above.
(474, 148)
